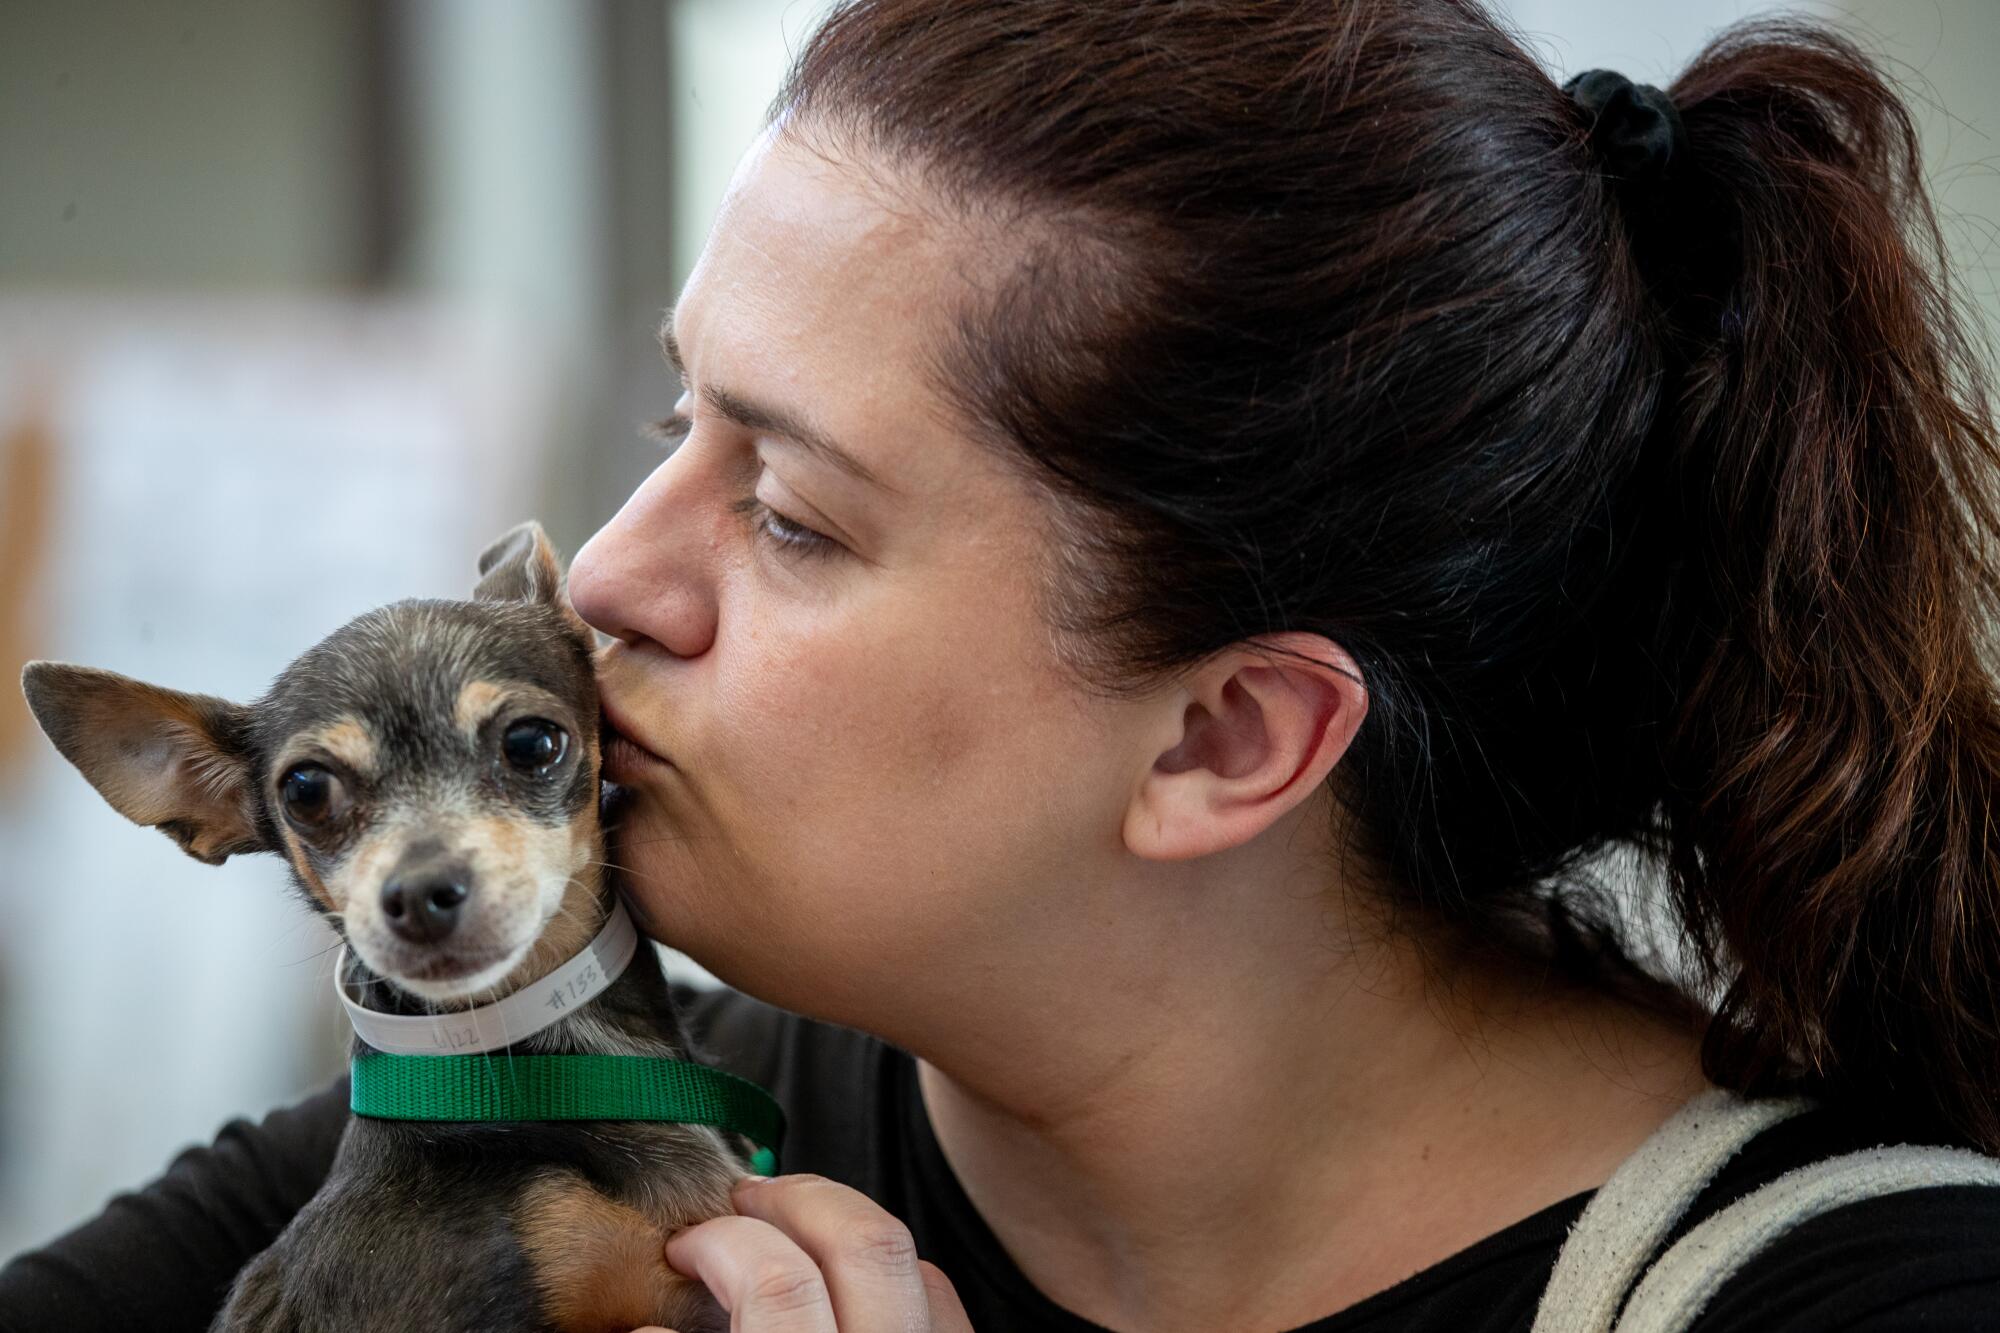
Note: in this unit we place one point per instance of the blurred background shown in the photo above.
(302, 303)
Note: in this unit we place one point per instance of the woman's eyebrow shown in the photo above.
(771, 420)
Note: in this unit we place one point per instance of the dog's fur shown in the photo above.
(398, 719)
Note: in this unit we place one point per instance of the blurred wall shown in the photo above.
(205, 142)
(1943, 54)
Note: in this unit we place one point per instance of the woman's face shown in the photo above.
(877, 785)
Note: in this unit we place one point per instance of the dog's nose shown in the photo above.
(422, 910)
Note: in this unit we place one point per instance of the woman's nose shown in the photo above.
(648, 573)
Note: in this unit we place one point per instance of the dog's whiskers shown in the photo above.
(665, 837)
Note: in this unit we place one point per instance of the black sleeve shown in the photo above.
(160, 1259)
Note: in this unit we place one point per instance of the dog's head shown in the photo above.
(429, 770)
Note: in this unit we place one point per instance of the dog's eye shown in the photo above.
(312, 796)
(534, 745)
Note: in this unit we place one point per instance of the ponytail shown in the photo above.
(1832, 749)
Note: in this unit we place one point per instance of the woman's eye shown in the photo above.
(774, 527)
(312, 796)
(534, 745)
(790, 537)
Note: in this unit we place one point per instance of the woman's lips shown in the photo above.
(626, 760)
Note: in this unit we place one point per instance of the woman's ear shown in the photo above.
(1248, 736)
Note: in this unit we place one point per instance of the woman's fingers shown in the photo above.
(867, 1256)
(947, 1310)
(766, 1282)
(806, 1253)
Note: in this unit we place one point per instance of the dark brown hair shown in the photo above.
(1657, 516)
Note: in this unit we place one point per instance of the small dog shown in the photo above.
(430, 774)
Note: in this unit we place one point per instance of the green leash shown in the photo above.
(567, 1087)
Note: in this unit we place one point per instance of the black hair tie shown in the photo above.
(1635, 129)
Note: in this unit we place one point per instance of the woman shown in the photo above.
(1192, 524)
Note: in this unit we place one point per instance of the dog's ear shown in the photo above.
(520, 567)
(523, 567)
(179, 762)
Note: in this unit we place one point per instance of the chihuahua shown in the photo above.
(430, 774)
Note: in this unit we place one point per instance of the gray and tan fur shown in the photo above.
(429, 772)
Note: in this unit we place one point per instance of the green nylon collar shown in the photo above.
(567, 1087)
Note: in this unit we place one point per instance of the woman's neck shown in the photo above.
(1250, 1126)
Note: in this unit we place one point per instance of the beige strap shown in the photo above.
(1680, 1285)
(1628, 1218)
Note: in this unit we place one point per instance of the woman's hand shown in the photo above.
(805, 1255)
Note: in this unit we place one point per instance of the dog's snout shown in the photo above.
(423, 909)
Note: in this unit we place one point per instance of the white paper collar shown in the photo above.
(504, 1022)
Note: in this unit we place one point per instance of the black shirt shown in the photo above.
(161, 1259)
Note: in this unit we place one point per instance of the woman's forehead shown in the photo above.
(804, 245)
(819, 294)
